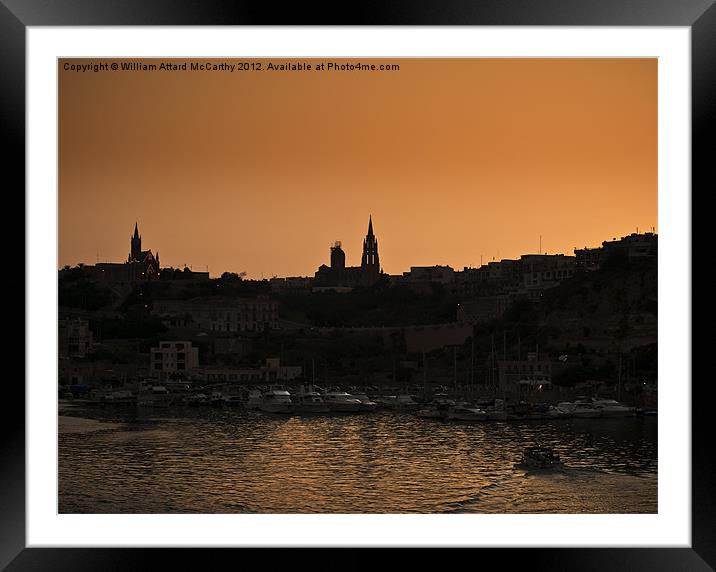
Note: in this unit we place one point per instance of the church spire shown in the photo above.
(135, 249)
(369, 261)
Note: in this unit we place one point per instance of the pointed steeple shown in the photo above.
(135, 248)
(369, 261)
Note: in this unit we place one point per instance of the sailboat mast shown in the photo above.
(472, 362)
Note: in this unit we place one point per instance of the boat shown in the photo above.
(494, 414)
(436, 409)
(253, 403)
(386, 401)
(465, 412)
(585, 410)
(612, 408)
(276, 401)
(232, 400)
(307, 401)
(196, 399)
(405, 402)
(342, 402)
(495, 410)
(216, 399)
(401, 402)
(119, 397)
(432, 411)
(367, 402)
(151, 395)
(546, 411)
(518, 411)
(579, 409)
(539, 458)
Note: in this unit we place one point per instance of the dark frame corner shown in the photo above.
(16, 15)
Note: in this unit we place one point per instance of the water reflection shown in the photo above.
(218, 461)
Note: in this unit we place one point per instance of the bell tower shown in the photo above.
(370, 263)
(135, 251)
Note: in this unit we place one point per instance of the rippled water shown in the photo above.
(230, 461)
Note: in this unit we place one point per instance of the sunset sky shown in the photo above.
(455, 159)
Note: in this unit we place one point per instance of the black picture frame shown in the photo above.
(17, 15)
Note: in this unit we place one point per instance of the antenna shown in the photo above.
(540, 244)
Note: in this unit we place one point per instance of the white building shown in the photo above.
(173, 358)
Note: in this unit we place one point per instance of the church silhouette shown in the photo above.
(340, 275)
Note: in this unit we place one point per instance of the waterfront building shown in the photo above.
(74, 338)
(173, 358)
(272, 371)
(235, 348)
(517, 376)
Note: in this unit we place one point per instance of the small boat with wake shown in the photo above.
(539, 458)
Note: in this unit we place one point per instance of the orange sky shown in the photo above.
(261, 171)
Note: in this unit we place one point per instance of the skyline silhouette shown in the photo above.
(336, 259)
(457, 159)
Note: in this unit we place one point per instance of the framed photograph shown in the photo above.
(387, 280)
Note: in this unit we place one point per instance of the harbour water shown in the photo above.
(206, 460)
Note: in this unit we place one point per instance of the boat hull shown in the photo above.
(283, 408)
(345, 407)
(310, 408)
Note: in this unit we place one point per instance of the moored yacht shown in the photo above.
(405, 402)
(151, 395)
(231, 399)
(216, 399)
(196, 399)
(496, 411)
(119, 397)
(253, 402)
(612, 408)
(465, 412)
(307, 401)
(342, 402)
(585, 410)
(367, 403)
(276, 401)
(386, 401)
(432, 411)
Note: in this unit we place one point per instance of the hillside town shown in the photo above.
(561, 325)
